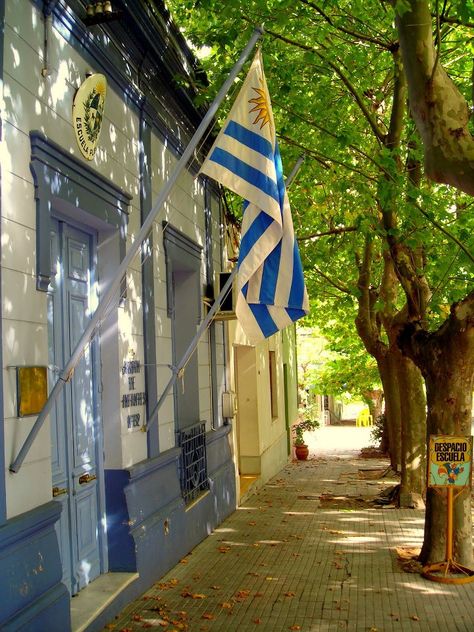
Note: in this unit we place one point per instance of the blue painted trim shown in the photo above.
(146, 468)
(77, 184)
(30, 582)
(126, 511)
(148, 286)
(154, 518)
(209, 282)
(51, 612)
(121, 548)
(3, 509)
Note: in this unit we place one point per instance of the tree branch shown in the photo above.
(321, 159)
(334, 231)
(350, 87)
(355, 34)
(365, 321)
(338, 286)
(324, 130)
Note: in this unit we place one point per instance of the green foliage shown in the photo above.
(304, 426)
(330, 69)
(376, 434)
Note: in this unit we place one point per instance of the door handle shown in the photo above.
(59, 491)
(86, 478)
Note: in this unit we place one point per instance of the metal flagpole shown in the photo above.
(153, 417)
(89, 332)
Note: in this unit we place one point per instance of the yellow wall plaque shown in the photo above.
(449, 461)
(32, 389)
(88, 112)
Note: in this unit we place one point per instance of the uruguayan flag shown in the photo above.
(245, 158)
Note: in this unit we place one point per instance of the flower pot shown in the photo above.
(301, 452)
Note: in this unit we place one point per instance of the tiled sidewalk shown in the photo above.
(308, 552)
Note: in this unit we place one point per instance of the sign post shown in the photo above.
(449, 468)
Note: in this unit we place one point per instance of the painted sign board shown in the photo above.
(130, 369)
(88, 112)
(450, 460)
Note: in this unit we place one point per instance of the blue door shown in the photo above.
(74, 419)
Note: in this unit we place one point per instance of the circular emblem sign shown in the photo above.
(87, 112)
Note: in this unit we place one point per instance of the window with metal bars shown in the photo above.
(193, 462)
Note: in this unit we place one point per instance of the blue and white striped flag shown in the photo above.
(245, 158)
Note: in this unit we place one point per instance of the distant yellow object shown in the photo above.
(364, 418)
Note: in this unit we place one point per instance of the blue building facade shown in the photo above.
(100, 499)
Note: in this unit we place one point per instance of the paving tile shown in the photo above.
(297, 560)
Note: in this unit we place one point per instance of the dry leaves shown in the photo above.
(208, 615)
(186, 593)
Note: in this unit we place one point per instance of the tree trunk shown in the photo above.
(374, 400)
(413, 427)
(446, 359)
(388, 369)
(439, 109)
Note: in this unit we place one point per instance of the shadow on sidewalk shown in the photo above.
(309, 551)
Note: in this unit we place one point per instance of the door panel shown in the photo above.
(73, 422)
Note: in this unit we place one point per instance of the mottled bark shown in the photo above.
(388, 367)
(440, 111)
(413, 427)
(446, 359)
(402, 381)
(374, 400)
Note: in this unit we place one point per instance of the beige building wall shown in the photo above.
(264, 380)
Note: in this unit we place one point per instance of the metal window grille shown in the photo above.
(193, 462)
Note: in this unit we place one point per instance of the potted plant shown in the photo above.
(301, 448)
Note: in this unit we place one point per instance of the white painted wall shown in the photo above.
(34, 102)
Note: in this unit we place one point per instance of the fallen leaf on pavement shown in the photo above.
(295, 627)
(257, 621)
(215, 587)
(289, 594)
(208, 615)
(226, 604)
(186, 593)
(414, 617)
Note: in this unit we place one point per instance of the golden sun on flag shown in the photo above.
(261, 106)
